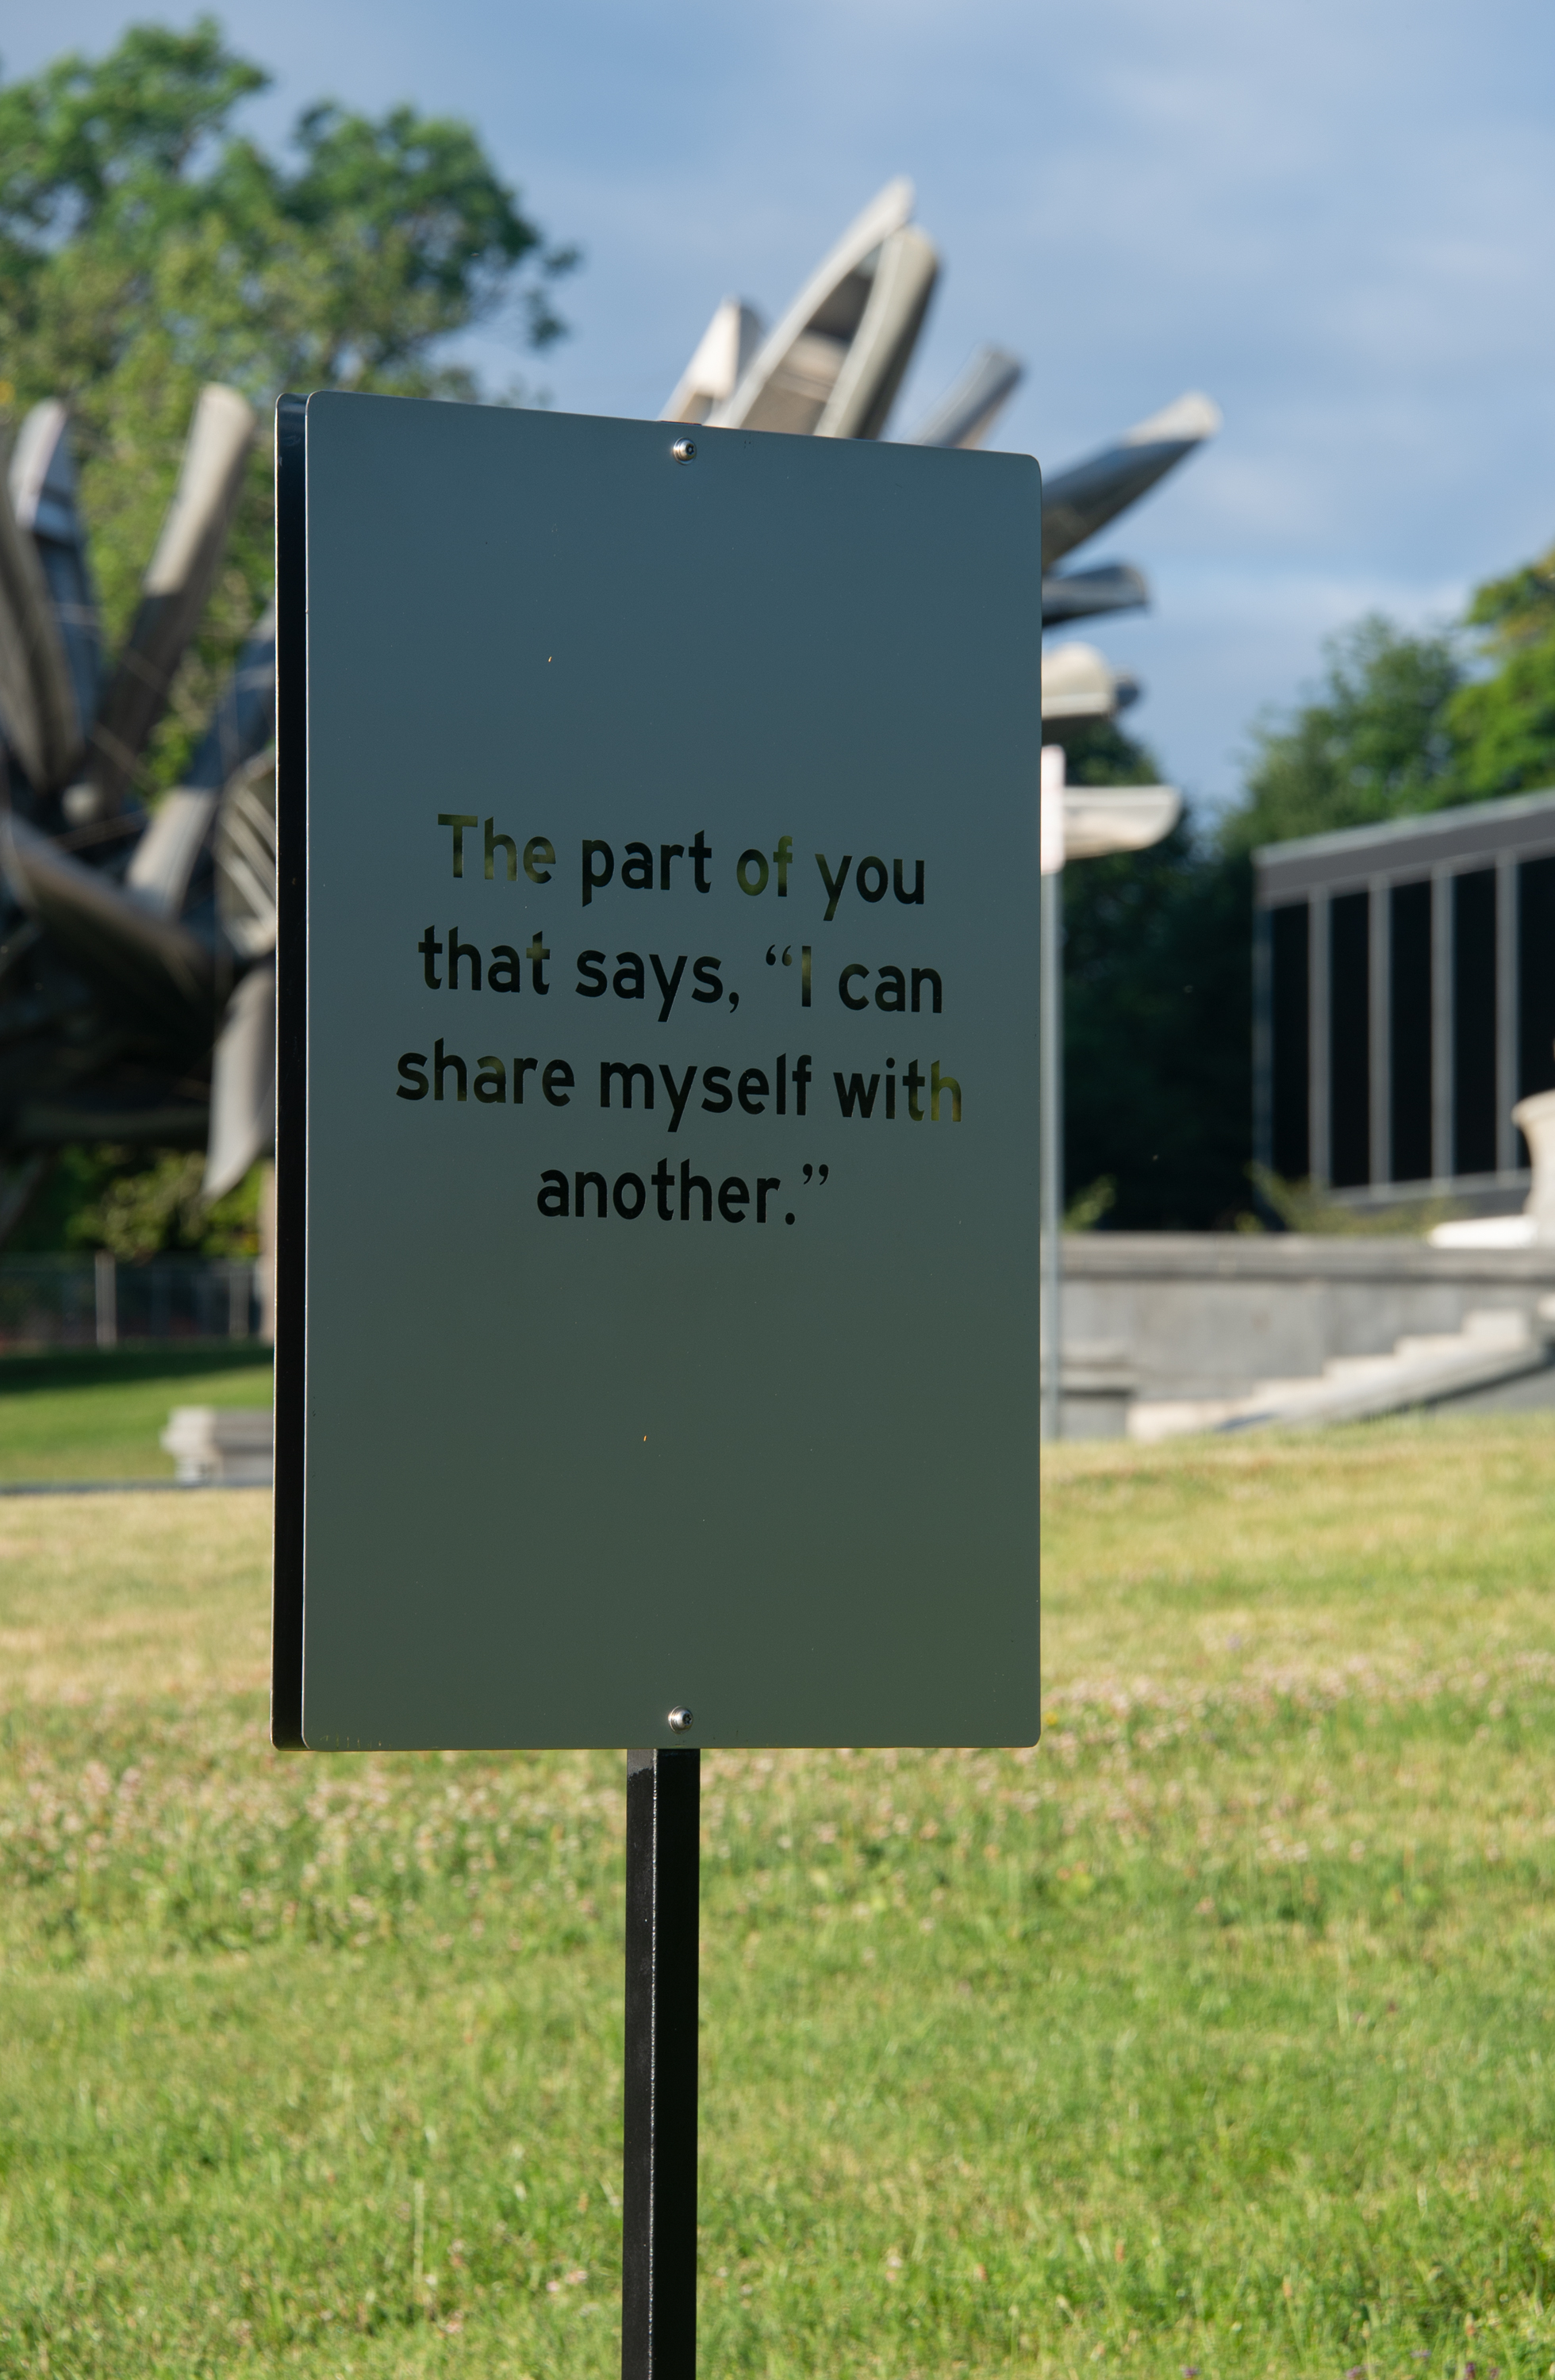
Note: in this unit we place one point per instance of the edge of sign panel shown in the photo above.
(291, 1063)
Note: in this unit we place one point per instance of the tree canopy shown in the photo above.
(1157, 1016)
(147, 245)
(1374, 744)
(1403, 723)
(1504, 723)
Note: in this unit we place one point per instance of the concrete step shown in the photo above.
(1493, 1345)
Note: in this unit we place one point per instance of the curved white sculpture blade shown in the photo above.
(1089, 821)
(242, 1084)
(1077, 683)
(182, 571)
(973, 402)
(716, 369)
(791, 377)
(1102, 818)
(882, 345)
(1187, 421)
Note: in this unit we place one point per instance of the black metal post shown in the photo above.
(659, 2212)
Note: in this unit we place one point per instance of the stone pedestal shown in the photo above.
(1534, 1119)
(1098, 1385)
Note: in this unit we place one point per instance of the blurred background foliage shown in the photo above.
(1157, 1018)
(139, 1207)
(147, 246)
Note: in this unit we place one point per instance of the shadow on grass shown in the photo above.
(101, 1368)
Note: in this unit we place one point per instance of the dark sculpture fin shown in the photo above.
(244, 720)
(160, 973)
(1081, 594)
(1078, 502)
(37, 700)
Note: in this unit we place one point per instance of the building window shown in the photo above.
(1409, 1009)
(1535, 977)
(1350, 1039)
(1290, 1021)
(1474, 1021)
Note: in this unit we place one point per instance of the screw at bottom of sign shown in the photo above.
(680, 1718)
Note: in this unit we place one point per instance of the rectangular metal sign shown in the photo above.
(657, 1282)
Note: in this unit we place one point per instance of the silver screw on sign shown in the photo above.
(684, 450)
(680, 1718)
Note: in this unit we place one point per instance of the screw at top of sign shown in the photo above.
(684, 450)
(680, 1718)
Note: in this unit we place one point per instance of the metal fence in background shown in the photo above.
(90, 1301)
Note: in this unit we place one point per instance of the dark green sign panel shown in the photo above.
(658, 1160)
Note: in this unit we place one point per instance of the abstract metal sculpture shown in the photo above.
(132, 946)
(832, 368)
(136, 979)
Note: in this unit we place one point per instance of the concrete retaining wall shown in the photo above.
(1208, 1314)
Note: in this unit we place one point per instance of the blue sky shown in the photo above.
(1338, 218)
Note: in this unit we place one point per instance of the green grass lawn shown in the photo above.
(1215, 2037)
(100, 1415)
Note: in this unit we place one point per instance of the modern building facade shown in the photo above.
(1405, 998)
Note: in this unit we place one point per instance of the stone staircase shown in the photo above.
(1495, 1344)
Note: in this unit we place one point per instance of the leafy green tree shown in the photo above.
(1157, 1033)
(138, 1205)
(1404, 723)
(1377, 743)
(1503, 723)
(1157, 1018)
(1102, 753)
(147, 246)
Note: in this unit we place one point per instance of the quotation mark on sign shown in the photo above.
(818, 1173)
(788, 961)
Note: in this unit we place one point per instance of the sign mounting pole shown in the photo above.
(659, 2209)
